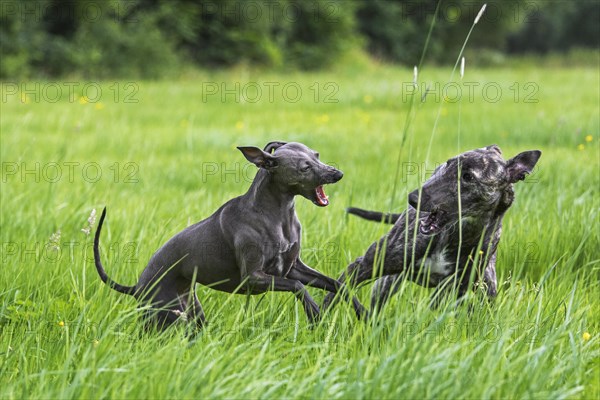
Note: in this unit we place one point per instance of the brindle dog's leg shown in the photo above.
(383, 290)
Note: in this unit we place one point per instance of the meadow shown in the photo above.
(161, 155)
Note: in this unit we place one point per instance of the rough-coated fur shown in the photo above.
(441, 247)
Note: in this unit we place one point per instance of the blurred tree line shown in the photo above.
(151, 38)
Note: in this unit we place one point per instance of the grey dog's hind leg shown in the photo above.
(173, 302)
(194, 309)
(161, 316)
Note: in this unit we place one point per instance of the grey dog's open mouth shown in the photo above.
(431, 224)
(321, 198)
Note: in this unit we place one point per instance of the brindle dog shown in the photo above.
(452, 227)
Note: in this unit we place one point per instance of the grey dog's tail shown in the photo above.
(378, 216)
(119, 288)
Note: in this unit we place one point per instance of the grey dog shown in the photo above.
(453, 225)
(250, 245)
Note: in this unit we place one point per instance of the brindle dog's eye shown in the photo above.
(467, 177)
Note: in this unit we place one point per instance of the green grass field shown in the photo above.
(169, 160)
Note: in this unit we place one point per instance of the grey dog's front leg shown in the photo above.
(356, 273)
(313, 278)
(256, 280)
(260, 281)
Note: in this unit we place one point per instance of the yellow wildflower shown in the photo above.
(323, 119)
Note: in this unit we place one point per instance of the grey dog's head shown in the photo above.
(295, 169)
(485, 181)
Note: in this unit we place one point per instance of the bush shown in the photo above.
(106, 48)
(21, 44)
(59, 39)
(151, 38)
(553, 26)
(396, 30)
(321, 31)
(230, 32)
(391, 34)
(305, 34)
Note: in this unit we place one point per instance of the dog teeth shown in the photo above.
(322, 198)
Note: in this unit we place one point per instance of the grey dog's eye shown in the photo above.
(305, 169)
(467, 177)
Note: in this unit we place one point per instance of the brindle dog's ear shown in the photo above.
(521, 165)
(272, 146)
(258, 157)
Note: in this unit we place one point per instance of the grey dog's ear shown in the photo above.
(521, 165)
(258, 157)
(272, 146)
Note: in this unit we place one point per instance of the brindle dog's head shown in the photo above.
(295, 169)
(484, 180)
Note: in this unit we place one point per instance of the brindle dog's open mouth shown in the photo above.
(321, 198)
(432, 223)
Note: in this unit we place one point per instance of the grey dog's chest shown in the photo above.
(281, 257)
(282, 248)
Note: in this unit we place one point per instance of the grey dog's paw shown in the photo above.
(313, 313)
(328, 301)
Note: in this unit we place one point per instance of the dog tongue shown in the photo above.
(322, 198)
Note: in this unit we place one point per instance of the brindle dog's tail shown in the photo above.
(119, 288)
(374, 215)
